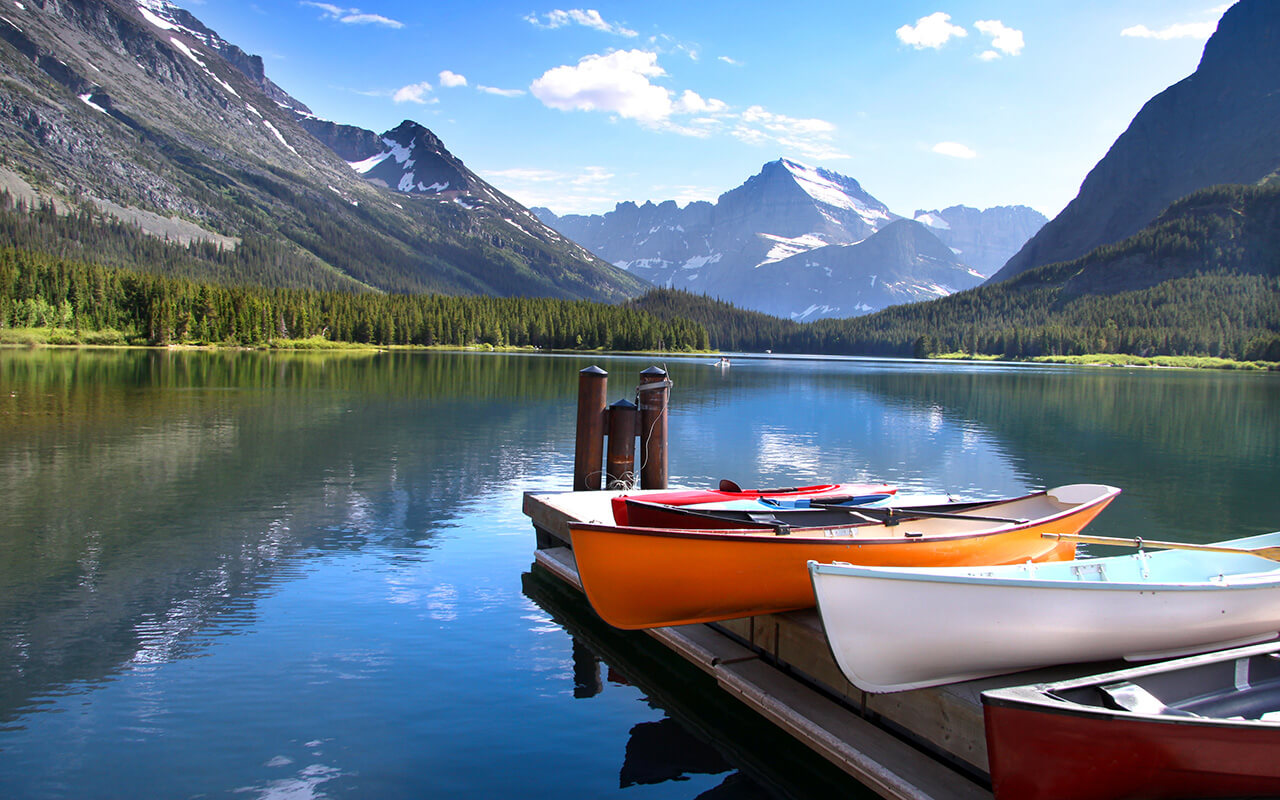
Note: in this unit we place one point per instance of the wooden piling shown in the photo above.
(654, 392)
(588, 453)
(621, 455)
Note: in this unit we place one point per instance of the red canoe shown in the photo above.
(684, 497)
(1204, 726)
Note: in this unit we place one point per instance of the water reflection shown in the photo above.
(164, 505)
(704, 732)
(153, 498)
(1197, 453)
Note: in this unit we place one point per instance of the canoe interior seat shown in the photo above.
(1127, 696)
(1089, 572)
(1261, 701)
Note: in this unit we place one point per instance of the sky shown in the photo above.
(579, 107)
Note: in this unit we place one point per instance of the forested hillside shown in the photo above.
(1202, 280)
(37, 290)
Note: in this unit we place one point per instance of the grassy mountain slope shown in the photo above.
(99, 106)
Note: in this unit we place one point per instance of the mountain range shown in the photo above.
(138, 111)
(803, 243)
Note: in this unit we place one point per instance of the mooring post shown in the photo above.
(655, 392)
(621, 455)
(588, 452)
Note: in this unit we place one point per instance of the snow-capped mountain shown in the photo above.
(792, 223)
(786, 209)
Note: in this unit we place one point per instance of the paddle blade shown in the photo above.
(727, 485)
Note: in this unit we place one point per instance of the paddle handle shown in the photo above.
(1139, 542)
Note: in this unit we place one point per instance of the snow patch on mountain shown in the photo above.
(785, 248)
(814, 311)
(933, 221)
(698, 262)
(279, 135)
(818, 184)
(144, 8)
(369, 163)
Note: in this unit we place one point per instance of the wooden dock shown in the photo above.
(928, 743)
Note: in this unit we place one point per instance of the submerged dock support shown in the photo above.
(588, 452)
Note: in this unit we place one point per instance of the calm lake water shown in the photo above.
(292, 576)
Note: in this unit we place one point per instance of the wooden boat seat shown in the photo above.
(1127, 696)
(1254, 702)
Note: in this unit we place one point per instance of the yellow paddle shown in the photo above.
(1272, 553)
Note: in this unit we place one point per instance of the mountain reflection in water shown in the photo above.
(233, 570)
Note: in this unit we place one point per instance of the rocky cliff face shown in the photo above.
(142, 110)
(903, 262)
(1219, 125)
(983, 239)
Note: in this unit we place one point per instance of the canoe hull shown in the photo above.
(1001, 625)
(1055, 742)
(1081, 758)
(645, 578)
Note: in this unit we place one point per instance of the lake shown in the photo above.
(257, 575)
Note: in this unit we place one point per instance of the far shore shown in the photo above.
(19, 338)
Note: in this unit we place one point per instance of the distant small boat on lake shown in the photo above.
(1204, 726)
(892, 629)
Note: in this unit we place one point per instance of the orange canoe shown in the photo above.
(652, 577)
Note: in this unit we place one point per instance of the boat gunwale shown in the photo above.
(1039, 698)
(1258, 580)
(810, 535)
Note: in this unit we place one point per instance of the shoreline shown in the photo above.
(28, 338)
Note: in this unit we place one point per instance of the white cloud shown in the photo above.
(352, 16)
(989, 55)
(954, 149)
(499, 92)
(1005, 39)
(1187, 30)
(616, 83)
(691, 102)
(621, 83)
(592, 175)
(451, 79)
(568, 192)
(810, 138)
(932, 31)
(730, 61)
(413, 93)
(587, 18)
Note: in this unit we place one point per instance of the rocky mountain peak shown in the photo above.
(1219, 125)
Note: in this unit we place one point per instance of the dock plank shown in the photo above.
(884, 764)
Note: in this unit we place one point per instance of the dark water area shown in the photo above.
(308, 575)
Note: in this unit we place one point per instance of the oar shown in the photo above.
(906, 512)
(1272, 553)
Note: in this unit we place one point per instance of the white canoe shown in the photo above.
(892, 629)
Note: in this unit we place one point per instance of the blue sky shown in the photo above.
(577, 107)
